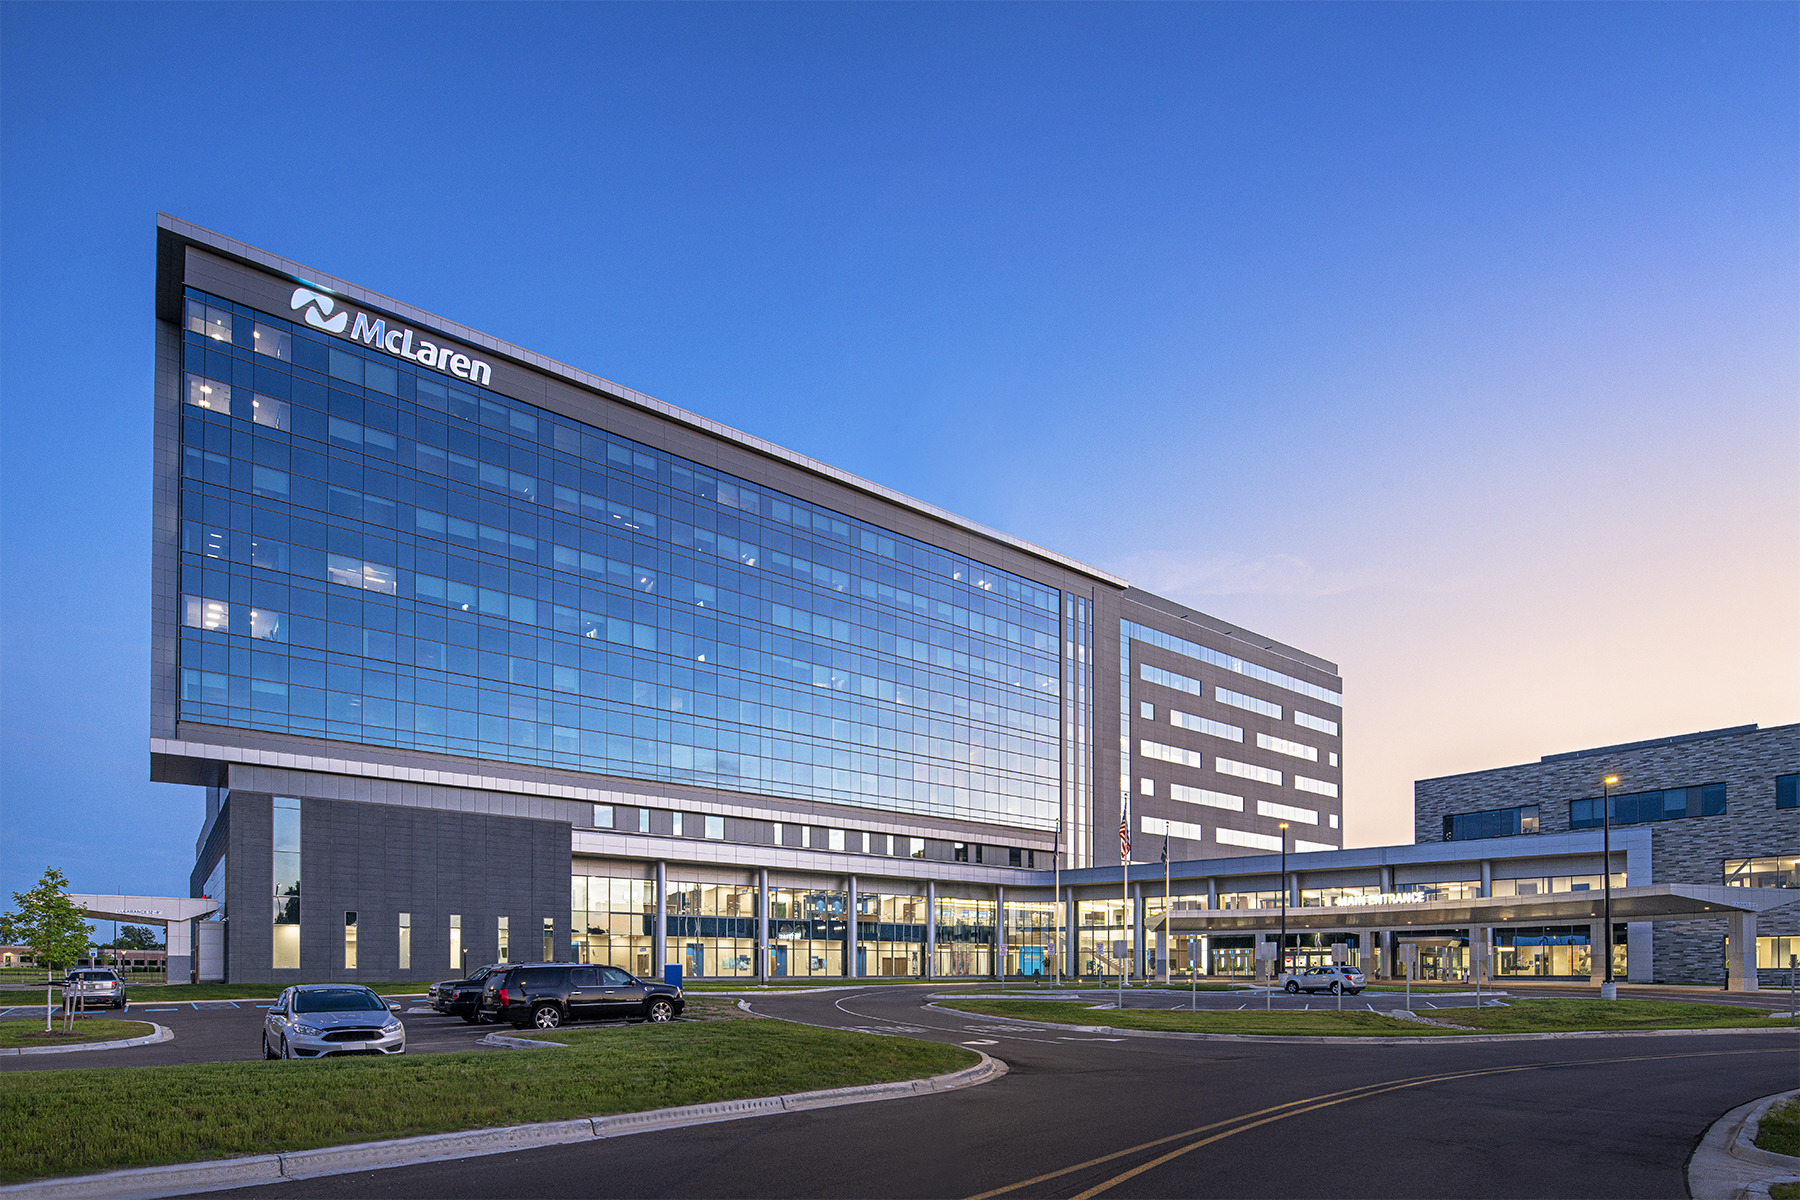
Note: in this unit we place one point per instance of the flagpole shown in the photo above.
(1125, 889)
(1168, 904)
(1056, 949)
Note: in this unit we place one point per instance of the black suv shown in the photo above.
(462, 997)
(548, 994)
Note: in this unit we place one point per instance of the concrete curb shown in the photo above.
(163, 1034)
(1726, 1165)
(182, 1179)
(1351, 1040)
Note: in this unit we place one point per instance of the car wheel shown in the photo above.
(1335, 987)
(267, 1053)
(287, 1051)
(1355, 991)
(660, 1011)
(470, 1020)
(1292, 987)
(546, 1016)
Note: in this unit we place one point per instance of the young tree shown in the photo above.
(55, 929)
(136, 937)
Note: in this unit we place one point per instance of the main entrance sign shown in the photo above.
(321, 312)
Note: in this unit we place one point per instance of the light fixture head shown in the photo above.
(1610, 780)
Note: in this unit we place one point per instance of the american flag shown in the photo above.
(1124, 836)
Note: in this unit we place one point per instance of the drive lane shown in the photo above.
(1574, 1117)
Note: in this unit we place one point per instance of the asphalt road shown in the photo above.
(1081, 1115)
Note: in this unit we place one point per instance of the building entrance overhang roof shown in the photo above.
(1657, 902)
(150, 910)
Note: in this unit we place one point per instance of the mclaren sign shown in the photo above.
(322, 312)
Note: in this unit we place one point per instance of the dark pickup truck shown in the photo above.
(462, 997)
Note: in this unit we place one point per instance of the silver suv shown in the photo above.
(92, 987)
(1327, 979)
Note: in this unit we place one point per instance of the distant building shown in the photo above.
(1719, 808)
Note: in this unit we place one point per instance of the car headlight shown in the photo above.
(308, 1030)
(391, 1027)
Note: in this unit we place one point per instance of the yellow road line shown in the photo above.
(1293, 1108)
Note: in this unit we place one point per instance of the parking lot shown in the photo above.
(226, 1030)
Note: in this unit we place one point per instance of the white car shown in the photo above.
(91, 988)
(319, 1019)
(1327, 979)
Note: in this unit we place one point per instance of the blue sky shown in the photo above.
(1455, 343)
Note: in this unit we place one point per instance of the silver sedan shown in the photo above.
(314, 1020)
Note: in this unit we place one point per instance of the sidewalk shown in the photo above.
(1728, 1166)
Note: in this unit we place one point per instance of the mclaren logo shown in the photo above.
(396, 340)
(318, 310)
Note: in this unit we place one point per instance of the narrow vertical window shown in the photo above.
(503, 939)
(643, 820)
(285, 840)
(349, 941)
(405, 963)
(549, 939)
(456, 950)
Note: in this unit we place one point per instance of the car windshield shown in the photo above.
(92, 975)
(359, 1000)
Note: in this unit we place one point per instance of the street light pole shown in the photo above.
(1281, 950)
(1609, 989)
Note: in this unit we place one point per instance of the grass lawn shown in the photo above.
(1521, 1016)
(1779, 1131)
(30, 1032)
(1564, 1016)
(791, 984)
(148, 993)
(1317, 1023)
(76, 1121)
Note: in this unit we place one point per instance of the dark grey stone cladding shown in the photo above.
(1686, 850)
(380, 860)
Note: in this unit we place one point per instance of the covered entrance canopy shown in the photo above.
(1394, 912)
(172, 912)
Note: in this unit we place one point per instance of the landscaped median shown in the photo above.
(77, 1122)
(1516, 1016)
(29, 1033)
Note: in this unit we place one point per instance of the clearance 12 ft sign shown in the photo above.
(322, 312)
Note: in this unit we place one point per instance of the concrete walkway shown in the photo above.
(1728, 1166)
